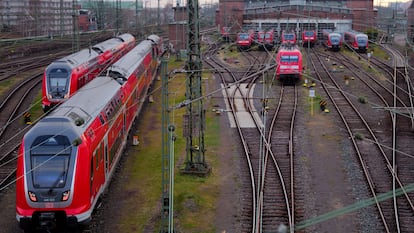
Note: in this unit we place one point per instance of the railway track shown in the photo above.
(374, 161)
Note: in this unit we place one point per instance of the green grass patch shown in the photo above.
(194, 197)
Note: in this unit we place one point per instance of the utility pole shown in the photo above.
(75, 33)
(167, 214)
(194, 119)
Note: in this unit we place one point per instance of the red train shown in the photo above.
(288, 37)
(67, 159)
(244, 40)
(225, 33)
(332, 40)
(289, 63)
(356, 40)
(309, 38)
(63, 77)
(266, 39)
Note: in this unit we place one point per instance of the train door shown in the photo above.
(106, 157)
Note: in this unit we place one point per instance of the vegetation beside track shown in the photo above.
(194, 197)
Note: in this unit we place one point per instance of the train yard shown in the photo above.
(294, 165)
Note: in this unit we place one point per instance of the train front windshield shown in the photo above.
(243, 36)
(289, 59)
(309, 33)
(58, 81)
(50, 156)
(289, 37)
(335, 39)
(362, 40)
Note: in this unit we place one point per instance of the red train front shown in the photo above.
(62, 78)
(266, 39)
(289, 64)
(244, 40)
(309, 38)
(356, 40)
(332, 40)
(66, 160)
(288, 37)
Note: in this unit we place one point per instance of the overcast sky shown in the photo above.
(154, 3)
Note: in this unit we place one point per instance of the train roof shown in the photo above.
(88, 102)
(79, 57)
(124, 67)
(112, 43)
(155, 39)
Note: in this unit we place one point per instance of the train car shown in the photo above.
(332, 40)
(266, 39)
(289, 63)
(356, 40)
(288, 37)
(225, 33)
(63, 77)
(66, 160)
(244, 40)
(309, 38)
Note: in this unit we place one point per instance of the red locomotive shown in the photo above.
(356, 40)
(289, 63)
(63, 77)
(67, 159)
(288, 37)
(309, 38)
(266, 39)
(225, 33)
(332, 40)
(244, 40)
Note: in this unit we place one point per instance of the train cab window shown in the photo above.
(289, 59)
(335, 39)
(58, 81)
(50, 156)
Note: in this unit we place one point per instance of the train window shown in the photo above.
(50, 157)
(289, 59)
(101, 118)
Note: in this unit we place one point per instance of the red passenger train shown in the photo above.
(356, 40)
(63, 77)
(67, 159)
(265, 39)
(244, 40)
(288, 37)
(309, 38)
(332, 40)
(289, 63)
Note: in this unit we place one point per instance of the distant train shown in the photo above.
(332, 40)
(244, 40)
(288, 37)
(63, 77)
(265, 39)
(309, 38)
(356, 40)
(225, 33)
(289, 63)
(67, 159)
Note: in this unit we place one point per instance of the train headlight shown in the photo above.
(66, 96)
(65, 195)
(49, 96)
(32, 196)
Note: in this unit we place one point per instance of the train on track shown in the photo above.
(332, 40)
(225, 33)
(63, 77)
(309, 38)
(266, 39)
(288, 37)
(358, 41)
(289, 63)
(67, 159)
(244, 40)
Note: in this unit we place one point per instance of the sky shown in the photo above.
(154, 3)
